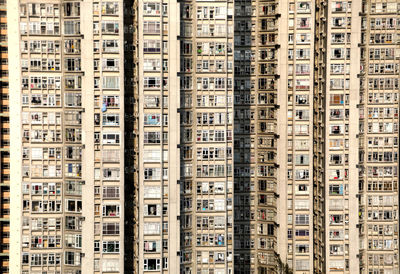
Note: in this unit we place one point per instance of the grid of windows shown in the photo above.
(54, 175)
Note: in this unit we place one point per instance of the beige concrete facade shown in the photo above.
(4, 145)
(298, 139)
(158, 119)
(253, 135)
(341, 125)
(68, 136)
(379, 133)
(16, 140)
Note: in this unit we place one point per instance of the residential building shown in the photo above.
(68, 138)
(378, 137)
(4, 145)
(202, 136)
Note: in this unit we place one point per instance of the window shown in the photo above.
(302, 99)
(152, 101)
(303, 7)
(111, 101)
(337, 99)
(302, 264)
(341, 6)
(302, 54)
(110, 82)
(336, 129)
(152, 246)
(339, 83)
(302, 219)
(302, 248)
(71, 46)
(73, 135)
(73, 170)
(152, 82)
(109, 8)
(302, 69)
(151, 228)
(336, 219)
(152, 119)
(303, 23)
(152, 155)
(301, 129)
(336, 189)
(152, 210)
(73, 99)
(72, 258)
(337, 38)
(110, 46)
(340, 53)
(151, 138)
(96, 264)
(337, 159)
(111, 138)
(111, 119)
(152, 264)
(340, 68)
(151, 46)
(72, 241)
(336, 204)
(151, 9)
(34, 27)
(110, 64)
(341, 21)
(111, 247)
(151, 65)
(302, 233)
(302, 204)
(72, 27)
(73, 82)
(336, 265)
(72, 64)
(152, 173)
(23, 28)
(110, 27)
(73, 205)
(303, 38)
(73, 187)
(72, 9)
(111, 210)
(111, 192)
(110, 228)
(110, 265)
(73, 223)
(25, 258)
(151, 27)
(111, 155)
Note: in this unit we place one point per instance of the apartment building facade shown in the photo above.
(379, 133)
(4, 145)
(255, 131)
(201, 136)
(68, 138)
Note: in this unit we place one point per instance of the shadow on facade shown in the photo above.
(242, 141)
(130, 180)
